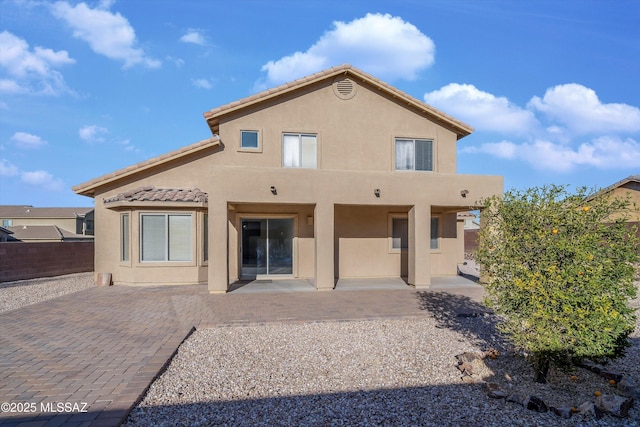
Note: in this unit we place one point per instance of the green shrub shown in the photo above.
(559, 270)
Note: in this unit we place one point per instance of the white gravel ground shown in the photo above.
(379, 372)
(26, 292)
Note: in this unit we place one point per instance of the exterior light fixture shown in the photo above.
(273, 190)
(377, 192)
(464, 193)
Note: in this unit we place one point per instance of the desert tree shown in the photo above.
(559, 269)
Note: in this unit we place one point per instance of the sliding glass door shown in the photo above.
(267, 246)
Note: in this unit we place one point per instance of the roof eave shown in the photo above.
(89, 188)
(123, 204)
(213, 116)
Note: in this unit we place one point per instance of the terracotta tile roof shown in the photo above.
(152, 194)
(462, 129)
(88, 188)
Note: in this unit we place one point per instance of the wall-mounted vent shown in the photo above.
(344, 88)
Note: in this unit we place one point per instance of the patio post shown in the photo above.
(419, 246)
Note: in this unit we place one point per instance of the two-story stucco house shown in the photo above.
(336, 175)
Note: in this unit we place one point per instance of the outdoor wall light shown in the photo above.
(464, 193)
(273, 190)
(377, 192)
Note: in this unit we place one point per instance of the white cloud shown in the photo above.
(568, 128)
(179, 62)
(31, 71)
(7, 168)
(502, 149)
(27, 140)
(602, 153)
(42, 179)
(578, 108)
(383, 45)
(108, 34)
(92, 133)
(202, 83)
(193, 36)
(482, 110)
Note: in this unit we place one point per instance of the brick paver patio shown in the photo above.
(85, 359)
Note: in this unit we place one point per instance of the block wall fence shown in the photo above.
(20, 260)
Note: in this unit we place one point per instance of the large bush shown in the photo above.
(560, 271)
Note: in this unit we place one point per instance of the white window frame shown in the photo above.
(125, 238)
(167, 237)
(438, 233)
(392, 247)
(258, 148)
(302, 161)
(414, 141)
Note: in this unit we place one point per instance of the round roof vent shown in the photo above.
(344, 88)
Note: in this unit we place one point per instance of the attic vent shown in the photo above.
(344, 88)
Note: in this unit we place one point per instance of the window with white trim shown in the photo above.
(124, 237)
(249, 139)
(299, 150)
(414, 154)
(165, 237)
(205, 238)
(399, 233)
(435, 232)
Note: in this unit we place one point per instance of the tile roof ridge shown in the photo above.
(463, 129)
(279, 88)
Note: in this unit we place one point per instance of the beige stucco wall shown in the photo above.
(342, 228)
(353, 135)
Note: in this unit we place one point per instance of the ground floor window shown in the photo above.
(435, 232)
(400, 233)
(124, 237)
(165, 237)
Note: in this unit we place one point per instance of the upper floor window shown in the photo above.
(414, 154)
(299, 150)
(7, 222)
(249, 140)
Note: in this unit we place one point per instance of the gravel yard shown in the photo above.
(26, 292)
(378, 372)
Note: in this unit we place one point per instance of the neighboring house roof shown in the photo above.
(5, 231)
(44, 232)
(623, 182)
(634, 180)
(88, 188)
(16, 211)
(213, 116)
(152, 194)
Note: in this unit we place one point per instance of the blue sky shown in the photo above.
(551, 87)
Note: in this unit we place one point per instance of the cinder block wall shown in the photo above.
(470, 242)
(20, 261)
